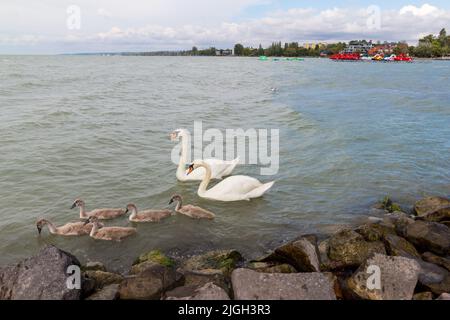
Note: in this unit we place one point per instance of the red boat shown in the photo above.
(403, 58)
(346, 56)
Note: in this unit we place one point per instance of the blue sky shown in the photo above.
(53, 26)
(259, 10)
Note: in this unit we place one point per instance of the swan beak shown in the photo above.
(190, 169)
(39, 229)
(173, 136)
(171, 201)
(87, 221)
(73, 206)
(126, 211)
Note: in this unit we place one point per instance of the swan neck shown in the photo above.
(179, 205)
(94, 229)
(83, 214)
(133, 214)
(206, 178)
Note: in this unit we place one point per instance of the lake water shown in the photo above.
(97, 128)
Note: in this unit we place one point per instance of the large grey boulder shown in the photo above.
(349, 249)
(434, 278)
(429, 205)
(398, 246)
(429, 236)
(398, 278)
(208, 291)
(41, 277)
(252, 285)
(439, 215)
(440, 261)
(302, 254)
(150, 284)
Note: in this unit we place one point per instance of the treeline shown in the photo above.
(292, 49)
(432, 46)
(194, 52)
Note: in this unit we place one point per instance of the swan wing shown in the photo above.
(220, 168)
(73, 229)
(235, 185)
(196, 212)
(105, 214)
(114, 233)
(154, 215)
(258, 192)
(231, 167)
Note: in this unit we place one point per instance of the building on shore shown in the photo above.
(384, 49)
(313, 45)
(224, 52)
(357, 46)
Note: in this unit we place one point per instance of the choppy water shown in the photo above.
(97, 128)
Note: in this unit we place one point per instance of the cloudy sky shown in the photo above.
(61, 26)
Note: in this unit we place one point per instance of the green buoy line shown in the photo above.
(264, 58)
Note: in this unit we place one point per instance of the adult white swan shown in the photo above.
(234, 188)
(219, 168)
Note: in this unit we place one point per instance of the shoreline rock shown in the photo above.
(209, 291)
(429, 236)
(252, 285)
(429, 205)
(398, 278)
(40, 277)
(349, 249)
(301, 253)
(150, 284)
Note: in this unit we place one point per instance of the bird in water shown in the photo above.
(190, 210)
(69, 229)
(146, 215)
(109, 233)
(102, 214)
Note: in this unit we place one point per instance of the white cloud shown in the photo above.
(424, 10)
(176, 24)
(298, 24)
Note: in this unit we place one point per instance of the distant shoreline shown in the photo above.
(139, 55)
(230, 56)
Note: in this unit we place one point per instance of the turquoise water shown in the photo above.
(97, 128)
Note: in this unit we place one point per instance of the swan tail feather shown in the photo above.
(233, 164)
(258, 192)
